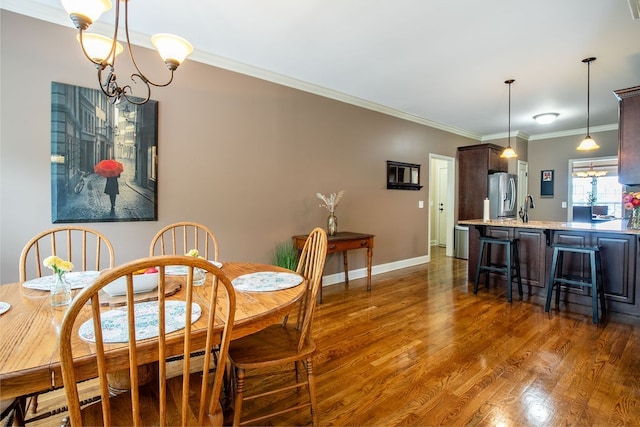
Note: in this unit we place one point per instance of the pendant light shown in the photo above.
(588, 143)
(508, 152)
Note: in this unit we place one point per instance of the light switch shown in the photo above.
(421, 204)
(564, 205)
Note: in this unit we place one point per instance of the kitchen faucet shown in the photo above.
(524, 210)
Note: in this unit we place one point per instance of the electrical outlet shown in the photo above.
(420, 204)
(564, 205)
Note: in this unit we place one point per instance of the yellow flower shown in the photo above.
(57, 264)
(193, 253)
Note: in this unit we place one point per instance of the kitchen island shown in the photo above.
(619, 249)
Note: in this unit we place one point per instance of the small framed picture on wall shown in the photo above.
(546, 183)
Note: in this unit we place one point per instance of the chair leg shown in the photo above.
(516, 256)
(237, 408)
(475, 283)
(311, 378)
(487, 272)
(509, 269)
(594, 287)
(600, 283)
(552, 277)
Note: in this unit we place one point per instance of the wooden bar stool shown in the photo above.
(511, 269)
(557, 278)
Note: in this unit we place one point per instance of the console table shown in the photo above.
(344, 241)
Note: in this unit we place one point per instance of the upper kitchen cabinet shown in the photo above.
(475, 163)
(629, 136)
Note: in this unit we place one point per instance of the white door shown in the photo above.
(442, 206)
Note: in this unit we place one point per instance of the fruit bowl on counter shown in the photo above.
(145, 282)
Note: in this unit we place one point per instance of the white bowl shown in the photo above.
(141, 283)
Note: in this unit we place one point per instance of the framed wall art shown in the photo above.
(546, 183)
(103, 157)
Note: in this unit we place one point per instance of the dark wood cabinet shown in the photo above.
(619, 256)
(629, 136)
(475, 163)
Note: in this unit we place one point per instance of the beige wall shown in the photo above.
(241, 155)
(554, 154)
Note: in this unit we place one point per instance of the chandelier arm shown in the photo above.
(139, 73)
(110, 86)
(127, 92)
(99, 65)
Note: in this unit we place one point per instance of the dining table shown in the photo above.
(30, 328)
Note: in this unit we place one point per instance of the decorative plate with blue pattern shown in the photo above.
(77, 280)
(264, 281)
(114, 322)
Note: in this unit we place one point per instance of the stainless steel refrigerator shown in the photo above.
(502, 195)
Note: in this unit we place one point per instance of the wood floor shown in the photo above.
(420, 349)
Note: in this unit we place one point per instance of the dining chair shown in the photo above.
(181, 237)
(86, 248)
(189, 399)
(282, 344)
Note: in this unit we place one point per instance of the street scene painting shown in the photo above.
(104, 157)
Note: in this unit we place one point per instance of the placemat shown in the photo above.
(264, 281)
(115, 324)
(76, 279)
(181, 270)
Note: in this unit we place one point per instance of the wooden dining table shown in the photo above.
(29, 330)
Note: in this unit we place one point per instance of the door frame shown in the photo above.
(451, 188)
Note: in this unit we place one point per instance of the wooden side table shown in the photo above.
(344, 241)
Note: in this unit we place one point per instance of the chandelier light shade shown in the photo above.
(102, 51)
(588, 143)
(591, 173)
(545, 118)
(509, 153)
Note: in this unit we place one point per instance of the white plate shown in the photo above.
(4, 306)
(76, 279)
(265, 281)
(181, 270)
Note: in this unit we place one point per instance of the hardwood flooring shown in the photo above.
(420, 349)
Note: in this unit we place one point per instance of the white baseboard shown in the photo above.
(332, 279)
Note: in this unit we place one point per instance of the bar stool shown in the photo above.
(511, 269)
(594, 280)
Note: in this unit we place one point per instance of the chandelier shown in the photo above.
(591, 173)
(102, 51)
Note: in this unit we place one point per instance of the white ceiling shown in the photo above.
(441, 62)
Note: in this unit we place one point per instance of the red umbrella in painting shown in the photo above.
(108, 168)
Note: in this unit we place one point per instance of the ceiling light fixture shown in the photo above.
(545, 118)
(591, 173)
(588, 143)
(508, 152)
(102, 51)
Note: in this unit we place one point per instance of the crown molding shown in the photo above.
(572, 132)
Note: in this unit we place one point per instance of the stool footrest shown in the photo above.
(573, 282)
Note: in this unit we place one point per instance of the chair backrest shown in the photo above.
(216, 300)
(180, 237)
(87, 249)
(582, 213)
(310, 266)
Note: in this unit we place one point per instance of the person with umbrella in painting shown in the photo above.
(111, 170)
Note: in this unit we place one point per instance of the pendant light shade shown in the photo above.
(508, 152)
(588, 143)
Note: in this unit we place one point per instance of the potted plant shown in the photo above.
(285, 255)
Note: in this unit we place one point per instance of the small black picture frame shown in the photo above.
(546, 183)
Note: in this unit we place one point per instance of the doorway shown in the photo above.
(523, 183)
(441, 202)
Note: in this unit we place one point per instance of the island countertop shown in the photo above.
(619, 248)
(613, 226)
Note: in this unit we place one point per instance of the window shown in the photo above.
(596, 190)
